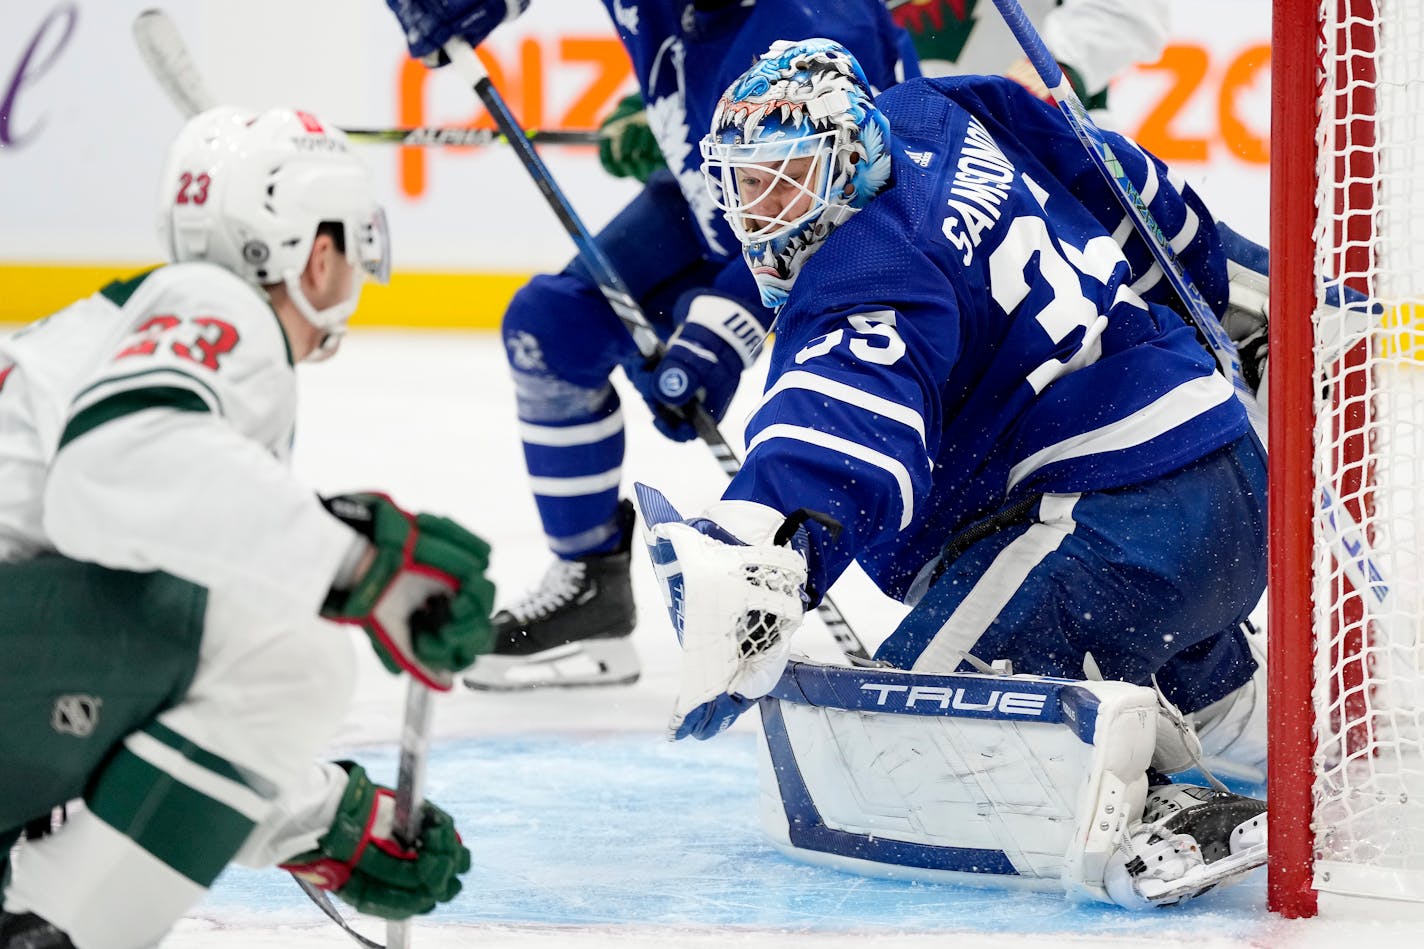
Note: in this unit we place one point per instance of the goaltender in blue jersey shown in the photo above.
(1001, 342)
(981, 390)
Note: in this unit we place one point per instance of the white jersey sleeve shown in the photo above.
(173, 451)
(299, 818)
(1096, 39)
(1100, 38)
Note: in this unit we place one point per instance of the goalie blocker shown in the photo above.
(990, 779)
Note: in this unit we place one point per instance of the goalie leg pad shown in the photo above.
(980, 779)
(1233, 729)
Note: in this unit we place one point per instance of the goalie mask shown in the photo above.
(248, 192)
(797, 146)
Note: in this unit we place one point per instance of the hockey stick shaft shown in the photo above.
(410, 782)
(437, 136)
(172, 65)
(1102, 155)
(168, 60)
(615, 291)
(1347, 538)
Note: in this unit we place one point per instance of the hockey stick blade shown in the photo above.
(323, 902)
(168, 59)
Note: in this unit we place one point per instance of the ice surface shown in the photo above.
(588, 827)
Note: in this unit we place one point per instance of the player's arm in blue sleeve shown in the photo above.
(1179, 211)
(847, 427)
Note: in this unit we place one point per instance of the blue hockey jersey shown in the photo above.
(988, 328)
(685, 59)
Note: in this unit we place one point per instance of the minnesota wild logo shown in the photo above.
(940, 27)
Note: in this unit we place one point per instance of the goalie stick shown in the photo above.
(1347, 539)
(172, 65)
(615, 291)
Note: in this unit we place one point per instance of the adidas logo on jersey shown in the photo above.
(922, 159)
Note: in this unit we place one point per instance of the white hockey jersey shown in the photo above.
(1096, 38)
(149, 426)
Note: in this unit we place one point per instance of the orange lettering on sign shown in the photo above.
(1188, 67)
(1241, 76)
(612, 70)
(531, 71)
(523, 87)
(412, 112)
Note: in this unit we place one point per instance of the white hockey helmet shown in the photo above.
(248, 191)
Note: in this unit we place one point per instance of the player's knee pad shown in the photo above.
(559, 327)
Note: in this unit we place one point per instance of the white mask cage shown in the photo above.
(767, 189)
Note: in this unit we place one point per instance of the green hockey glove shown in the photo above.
(361, 860)
(626, 145)
(424, 600)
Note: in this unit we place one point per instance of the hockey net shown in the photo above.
(1347, 447)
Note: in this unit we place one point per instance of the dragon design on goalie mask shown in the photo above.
(813, 92)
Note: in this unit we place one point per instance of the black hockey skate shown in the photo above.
(1191, 840)
(28, 931)
(572, 630)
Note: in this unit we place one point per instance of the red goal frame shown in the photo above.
(1298, 97)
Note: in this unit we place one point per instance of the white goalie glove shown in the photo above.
(734, 589)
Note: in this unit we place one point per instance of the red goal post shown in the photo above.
(1346, 405)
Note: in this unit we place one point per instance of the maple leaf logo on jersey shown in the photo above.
(626, 16)
(524, 352)
(666, 109)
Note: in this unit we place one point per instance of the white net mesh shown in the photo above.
(1369, 450)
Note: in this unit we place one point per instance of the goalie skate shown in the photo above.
(572, 630)
(1191, 840)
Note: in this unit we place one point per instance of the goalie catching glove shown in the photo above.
(361, 861)
(734, 581)
(423, 600)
